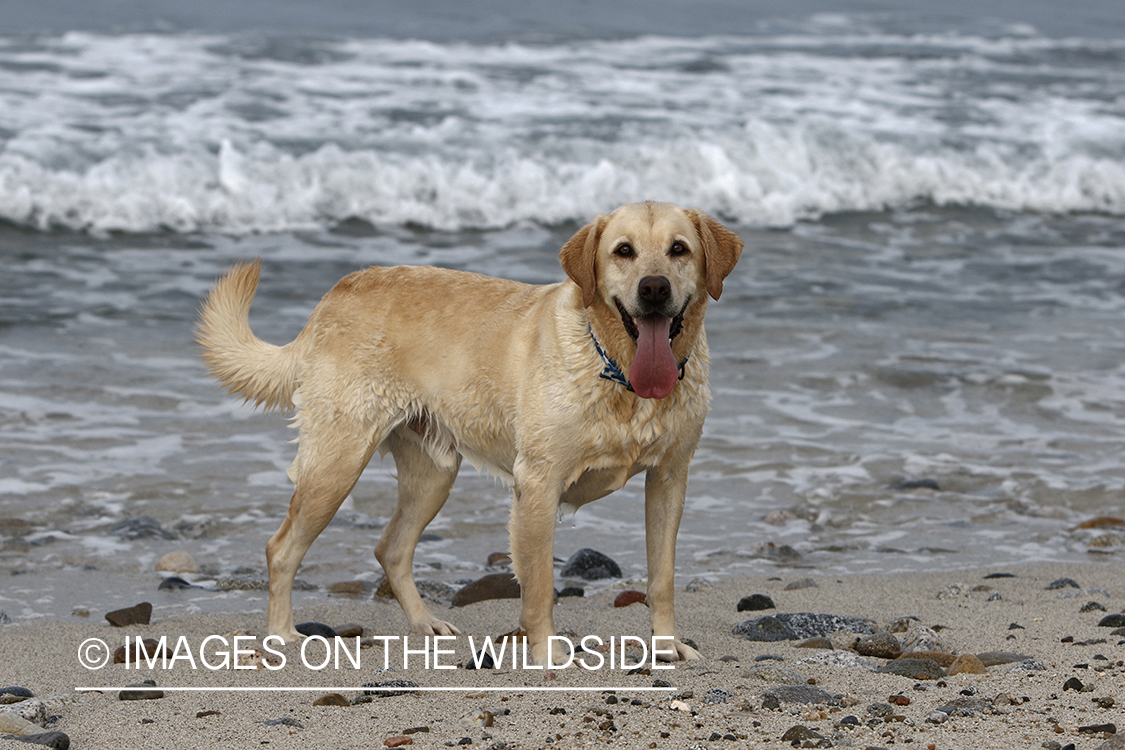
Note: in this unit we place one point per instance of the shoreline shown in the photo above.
(720, 696)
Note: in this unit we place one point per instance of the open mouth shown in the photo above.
(653, 373)
(630, 322)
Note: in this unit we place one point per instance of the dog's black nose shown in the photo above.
(654, 291)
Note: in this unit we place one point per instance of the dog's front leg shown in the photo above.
(532, 535)
(665, 490)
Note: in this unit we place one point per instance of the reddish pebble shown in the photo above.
(899, 700)
(625, 598)
(398, 741)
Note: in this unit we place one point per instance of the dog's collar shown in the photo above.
(612, 371)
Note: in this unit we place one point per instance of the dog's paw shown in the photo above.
(561, 656)
(434, 627)
(291, 636)
(683, 652)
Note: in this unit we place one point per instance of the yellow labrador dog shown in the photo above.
(564, 391)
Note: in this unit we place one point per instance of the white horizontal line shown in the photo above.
(468, 689)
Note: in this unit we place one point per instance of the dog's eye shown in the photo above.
(678, 248)
(624, 250)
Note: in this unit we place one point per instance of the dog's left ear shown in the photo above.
(579, 256)
(721, 248)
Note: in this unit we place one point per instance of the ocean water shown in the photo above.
(918, 364)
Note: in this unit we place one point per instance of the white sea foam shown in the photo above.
(159, 132)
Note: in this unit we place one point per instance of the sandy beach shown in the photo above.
(723, 699)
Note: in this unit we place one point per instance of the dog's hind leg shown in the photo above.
(326, 469)
(423, 488)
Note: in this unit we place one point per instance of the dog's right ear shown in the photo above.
(579, 256)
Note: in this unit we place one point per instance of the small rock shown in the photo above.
(590, 565)
(349, 630)
(921, 638)
(18, 692)
(80, 612)
(285, 721)
(915, 669)
(434, 590)
(755, 603)
(695, 585)
(56, 740)
(1092, 606)
(803, 583)
(139, 614)
(572, 591)
(901, 624)
(28, 709)
(797, 625)
(993, 658)
(818, 642)
(177, 562)
(1116, 742)
(205, 714)
(845, 659)
(966, 664)
(491, 586)
(398, 741)
(1015, 626)
(143, 692)
(801, 694)
(879, 645)
(1028, 665)
(716, 695)
(175, 583)
(11, 723)
(1112, 621)
(767, 629)
(991, 576)
(880, 710)
(331, 699)
(964, 706)
(942, 658)
(316, 628)
(1098, 729)
(625, 598)
(800, 733)
(390, 688)
(499, 559)
(1062, 583)
(1073, 684)
(351, 588)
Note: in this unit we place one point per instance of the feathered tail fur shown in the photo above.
(260, 372)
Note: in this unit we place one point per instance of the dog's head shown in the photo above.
(650, 265)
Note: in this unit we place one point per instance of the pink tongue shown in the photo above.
(654, 372)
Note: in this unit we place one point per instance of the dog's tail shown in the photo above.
(260, 372)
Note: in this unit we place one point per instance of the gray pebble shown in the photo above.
(143, 692)
(799, 694)
(716, 695)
